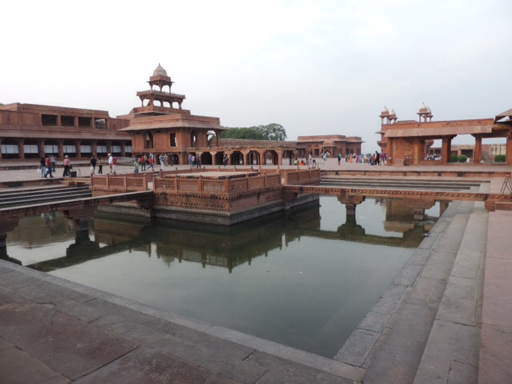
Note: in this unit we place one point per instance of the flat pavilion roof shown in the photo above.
(439, 132)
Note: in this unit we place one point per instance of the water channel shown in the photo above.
(304, 279)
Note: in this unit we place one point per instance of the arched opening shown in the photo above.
(174, 140)
(10, 149)
(289, 155)
(237, 158)
(193, 139)
(148, 140)
(271, 158)
(494, 150)
(31, 149)
(69, 148)
(211, 138)
(219, 157)
(206, 158)
(174, 159)
(86, 149)
(462, 146)
(253, 158)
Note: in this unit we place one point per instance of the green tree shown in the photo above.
(243, 133)
(272, 131)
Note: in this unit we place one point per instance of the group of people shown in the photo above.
(144, 163)
(47, 166)
(93, 162)
(194, 160)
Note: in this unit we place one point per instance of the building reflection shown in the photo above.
(228, 247)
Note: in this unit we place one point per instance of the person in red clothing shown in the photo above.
(151, 163)
(49, 166)
(67, 166)
(143, 162)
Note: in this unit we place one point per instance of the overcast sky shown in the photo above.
(316, 67)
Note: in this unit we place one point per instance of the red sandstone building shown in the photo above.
(160, 125)
(29, 131)
(331, 144)
(407, 142)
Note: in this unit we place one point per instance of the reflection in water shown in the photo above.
(290, 279)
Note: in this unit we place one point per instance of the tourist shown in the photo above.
(151, 164)
(225, 159)
(67, 166)
(100, 166)
(136, 165)
(48, 167)
(54, 162)
(92, 162)
(161, 160)
(192, 160)
(377, 158)
(143, 162)
(166, 159)
(198, 162)
(110, 162)
(42, 166)
(114, 165)
(339, 158)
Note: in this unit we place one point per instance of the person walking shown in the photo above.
(143, 162)
(48, 168)
(151, 164)
(42, 166)
(100, 166)
(136, 165)
(161, 160)
(339, 158)
(54, 162)
(110, 162)
(114, 165)
(93, 165)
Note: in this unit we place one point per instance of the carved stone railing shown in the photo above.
(121, 183)
(301, 177)
(221, 185)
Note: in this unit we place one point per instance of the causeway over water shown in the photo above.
(446, 318)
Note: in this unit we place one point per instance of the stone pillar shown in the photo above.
(94, 145)
(508, 153)
(78, 149)
(443, 206)
(445, 150)
(123, 149)
(0, 148)
(21, 148)
(93, 122)
(214, 158)
(40, 147)
(109, 146)
(350, 201)
(279, 158)
(477, 154)
(351, 209)
(59, 121)
(61, 148)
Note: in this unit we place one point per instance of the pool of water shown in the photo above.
(304, 279)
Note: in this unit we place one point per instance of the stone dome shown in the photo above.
(384, 111)
(392, 114)
(423, 108)
(159, 71)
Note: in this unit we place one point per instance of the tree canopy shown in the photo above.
(271, 131)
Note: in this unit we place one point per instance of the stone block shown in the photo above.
(408, 274)
(357, 348)
(374, 321)
(286, 372)
(439, 265)
(461, 311)
(462, 374)
(420, 256)
(460, 291)
(18, 367)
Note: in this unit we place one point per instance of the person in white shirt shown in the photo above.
(110, 161)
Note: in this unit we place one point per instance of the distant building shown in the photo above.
(29, 131)
(409, 142)
(331, 144)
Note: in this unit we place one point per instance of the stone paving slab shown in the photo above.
(23, 368)
(496, 352)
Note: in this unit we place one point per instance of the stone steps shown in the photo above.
(42, 195)
(412, 184)
(389, 344)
